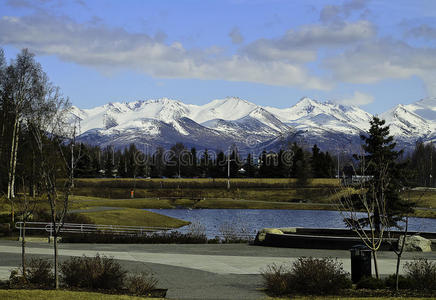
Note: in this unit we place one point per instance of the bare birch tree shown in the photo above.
(47, 119)
(364, 207)
(50, 133)
(2, 97)
(23, 82)
(401, 238)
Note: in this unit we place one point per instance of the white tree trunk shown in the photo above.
(14, 165)
(11, 160)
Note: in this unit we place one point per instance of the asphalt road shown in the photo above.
(229, 271)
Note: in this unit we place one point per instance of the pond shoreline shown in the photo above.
(251, 221)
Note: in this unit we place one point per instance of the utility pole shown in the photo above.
(73, 142)
(179, 166)
(431, 164)
(228, 171)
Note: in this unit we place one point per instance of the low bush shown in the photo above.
(307, 275)
(5, 229)
(422, 272)
(99, 272)
(277, 279)
(323, 275)
(141, 284)
(371, 283)
(404, 283)
(17, 280)
(39, 272)
(77, 218)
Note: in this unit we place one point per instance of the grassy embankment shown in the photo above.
(126, 215)
(425, 200)
(60, 295)
(133, 217)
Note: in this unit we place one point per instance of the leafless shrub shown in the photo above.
(141, 284)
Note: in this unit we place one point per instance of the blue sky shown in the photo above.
(374, 54)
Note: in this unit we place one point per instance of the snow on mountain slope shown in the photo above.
(257, 126)
(403, 122)
(413, 121)
(308, 113)
(222, 122)
(242, 118)
(266, 118)
(230, 108)
(131, 114)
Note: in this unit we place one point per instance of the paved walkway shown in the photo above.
(193, 271)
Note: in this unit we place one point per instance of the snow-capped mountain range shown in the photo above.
(222, 123)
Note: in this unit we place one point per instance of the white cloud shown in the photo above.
(333, 35)
(301, 45)
(384, 59)
(114, 48)
(353, 52)
(358, 99)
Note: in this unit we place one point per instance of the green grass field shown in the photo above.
(133, 217)
(60, 295)
(424, 198)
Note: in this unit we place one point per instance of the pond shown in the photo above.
(252, 220)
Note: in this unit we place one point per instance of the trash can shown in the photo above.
(360, 262)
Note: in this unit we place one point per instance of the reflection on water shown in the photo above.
(256, 219)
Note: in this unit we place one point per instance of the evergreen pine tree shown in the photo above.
(193, 168)
(220, 166)
(387, 174)
(205, 164)
(109, 166)
(250, 171)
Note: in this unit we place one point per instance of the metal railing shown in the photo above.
(88, 228)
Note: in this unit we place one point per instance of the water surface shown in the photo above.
(253, 220)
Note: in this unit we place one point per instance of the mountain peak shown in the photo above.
(235, 100)
(306, 105)
(307, 101)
